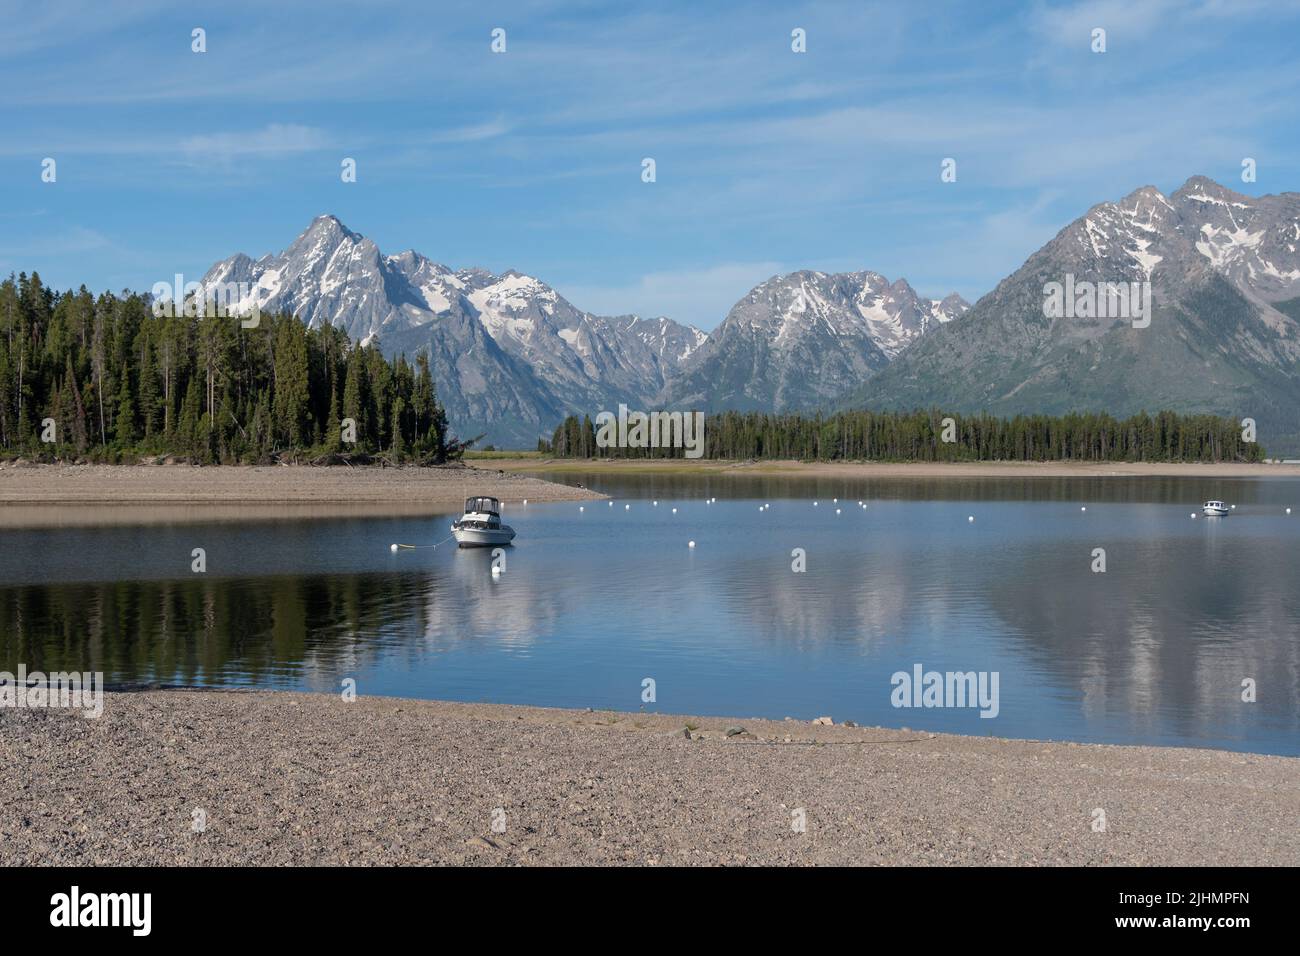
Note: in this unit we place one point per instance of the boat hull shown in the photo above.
(483, 537)
(1215, 512)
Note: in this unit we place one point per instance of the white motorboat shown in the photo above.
(480, 526)
(1215, 509)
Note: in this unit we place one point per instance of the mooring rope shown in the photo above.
(415, 547)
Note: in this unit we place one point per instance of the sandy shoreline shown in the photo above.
(33, 495)
(36, 495)
(286, 778)
(868, 469)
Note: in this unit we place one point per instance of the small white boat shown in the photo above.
(1214, 509)
(480, 526)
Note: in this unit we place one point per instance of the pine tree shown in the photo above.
(150, 404)
(76, 411)
(124, 425)
(335, 435)
(356, 397)
(187, 431)
(292, 396)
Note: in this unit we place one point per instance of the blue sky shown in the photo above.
(767, 160)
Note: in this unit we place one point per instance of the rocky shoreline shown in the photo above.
(279, 778)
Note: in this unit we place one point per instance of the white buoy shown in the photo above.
(674, 511)
(496, 570)
(581, 508)
(611, 504)
(970, 518)
(627, 507)
(760, 507)
(837, 510)
(814, 504)
(525, 501)
(1234, 507)
(1084, 508)
(690, 544)
(392, 547)
(1193, 515)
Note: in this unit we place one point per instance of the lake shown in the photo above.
(1188, 616)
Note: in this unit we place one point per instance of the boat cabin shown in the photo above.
(483, 505)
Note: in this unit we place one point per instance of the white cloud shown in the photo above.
(470, 134)
(73, 239)
(1072, 26)
(273, 140)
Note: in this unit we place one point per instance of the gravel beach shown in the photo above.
(34, 495)
(287, 778)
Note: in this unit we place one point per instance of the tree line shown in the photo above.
(933, 435)
(105, 379)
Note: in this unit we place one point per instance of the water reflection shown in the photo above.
(192, 630)
(1113, 490)
(1154, 650)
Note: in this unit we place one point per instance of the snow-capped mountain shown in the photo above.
(799, 341)
(510, 356)
(1255, 243)
(329, 274)
(1224, 270)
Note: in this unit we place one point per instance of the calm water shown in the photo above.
(1152, 651)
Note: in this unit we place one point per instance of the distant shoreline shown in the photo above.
(39, 495)
(289, 778)
(880, 469)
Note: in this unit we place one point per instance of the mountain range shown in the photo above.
(511, 356)
(1224, 333)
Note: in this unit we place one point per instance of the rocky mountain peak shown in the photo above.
(1223, 335)
(799, 340)
(1204, 186)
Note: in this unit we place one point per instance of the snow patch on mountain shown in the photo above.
(798, 341)
(510, 354)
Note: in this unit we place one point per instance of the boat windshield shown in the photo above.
(483, 505)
